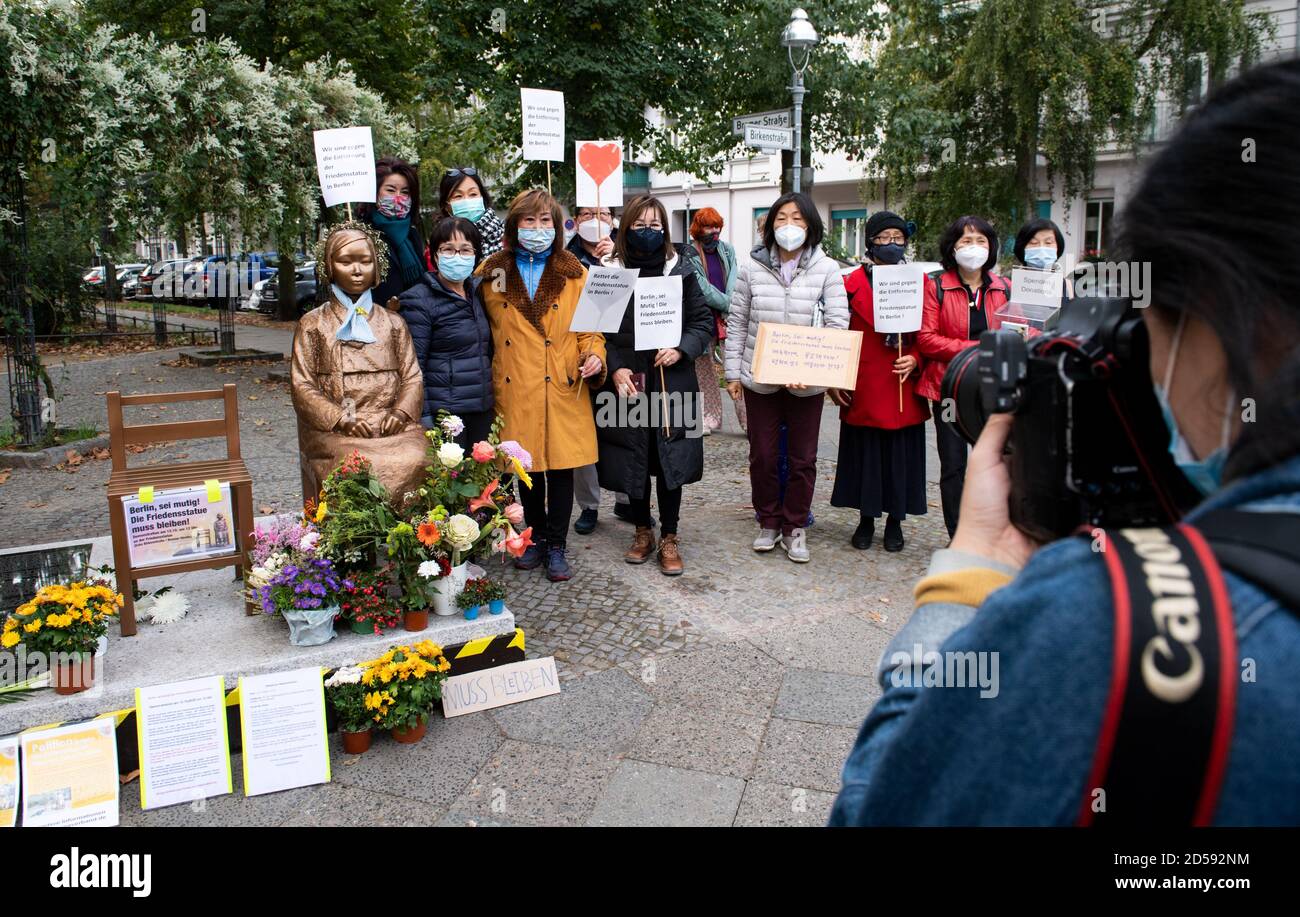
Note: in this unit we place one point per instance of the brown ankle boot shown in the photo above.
(670, 560)
(642, 546)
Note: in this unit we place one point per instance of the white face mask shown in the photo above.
(593, 231)
(790, 237)
(972, 257)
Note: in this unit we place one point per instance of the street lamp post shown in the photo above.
(799, 35)
(688, 185)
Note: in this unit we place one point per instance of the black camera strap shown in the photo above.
(1163, 747)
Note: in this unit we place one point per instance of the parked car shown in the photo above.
(304, 290)
(94, 277)
(156, 281)
(127, 279)
(253, 301)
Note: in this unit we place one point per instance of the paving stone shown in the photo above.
(714, 741)
(338, 806)
(844, 643)
(654, 795)
(536, 784)
(826, 697)
(732, 676)
(234, 810)
(599, 712)
(804, 754)
(773, 805)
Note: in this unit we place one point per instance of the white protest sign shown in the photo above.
(345, 162)
(282, 724)
(604, 299)
(897, 297)
(184, 749)
(498, 686)
(184, 523)
(600, 172)
(1038, 288)
(658, 319)
(70, 776)
(543, 111)
(8, 781)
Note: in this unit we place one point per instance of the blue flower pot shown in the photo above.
(496, 606)
(471, 613)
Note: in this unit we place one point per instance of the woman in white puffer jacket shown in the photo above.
(789, 281)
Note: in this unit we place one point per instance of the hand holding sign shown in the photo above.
(658, 312)
(604, 299)
(897, 302)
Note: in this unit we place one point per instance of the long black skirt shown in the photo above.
(881, 471)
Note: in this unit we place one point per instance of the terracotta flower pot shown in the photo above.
(416, 620)
(354, 743)
(74, 674)
(412, 735)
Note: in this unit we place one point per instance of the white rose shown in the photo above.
(462, 532)
(450, 454)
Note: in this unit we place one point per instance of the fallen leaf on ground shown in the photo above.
(252, 397)
(4, 474)
(99, 453)
(73, 457)
(35, 504)
(264, 510)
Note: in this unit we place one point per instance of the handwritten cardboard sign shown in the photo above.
(604, 299)
(808, 356)
(658, 320)
(1038, 288)
(498, 686)
(600, 173)
(345, 163)
(897, 297)
(543, 111)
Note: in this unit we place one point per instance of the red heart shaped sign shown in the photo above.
(600, 160)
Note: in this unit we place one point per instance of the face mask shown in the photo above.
(536, 240)
(790, 237)
(1205, 474)
(397, 206)
(469, 208)
(972, 257)
(455, 267)
(1041, 258)
(646, 241)
(710, 241)
(593, 231)
(889, 253)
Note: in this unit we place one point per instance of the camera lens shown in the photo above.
(962, 404)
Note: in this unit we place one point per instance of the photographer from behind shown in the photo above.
(1094, 720)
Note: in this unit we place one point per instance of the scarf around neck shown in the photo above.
(356, 328)
(399, 232)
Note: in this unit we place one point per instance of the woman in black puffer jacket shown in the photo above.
(453, 343)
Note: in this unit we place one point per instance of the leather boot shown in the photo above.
(670, 559)
(642, 546)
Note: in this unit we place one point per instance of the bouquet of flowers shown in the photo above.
(283, 542)
(305, 585)
(348, 698)
(353, 514)
(464, 500)
(403, 684)
(63, 619)
(417, 562)
(365, 602)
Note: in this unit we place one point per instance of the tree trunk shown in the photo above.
(287, 310)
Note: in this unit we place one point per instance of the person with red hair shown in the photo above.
(714, 263)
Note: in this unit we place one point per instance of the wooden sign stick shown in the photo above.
(548, 176)
(900, 378)
(663, 399)
(349, 206)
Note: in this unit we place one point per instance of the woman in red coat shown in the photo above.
(881, 467)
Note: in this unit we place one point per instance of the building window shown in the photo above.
(636, 177)
(848, 231)
(1096, 229)
(760, 214)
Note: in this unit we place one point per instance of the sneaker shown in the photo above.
(767, 540)
(586, 523)
(670, 559)
(893, 534)
(557, 568)
(531, 559)
(866, 531)
(796, 546)
(642, 546)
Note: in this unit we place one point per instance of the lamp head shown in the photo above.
(799, 34)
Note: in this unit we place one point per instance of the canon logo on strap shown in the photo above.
(1177, 616)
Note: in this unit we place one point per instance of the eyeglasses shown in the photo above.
(459, 173)
(467, 250)
(641, 224)
(895, 239)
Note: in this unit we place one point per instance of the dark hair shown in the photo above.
(450, 180)
(631, 212)
(450, 226)
(390, 165)
(1208, 191)
(527, 203)
(1033, 228)
(956, 229)
(810, 217)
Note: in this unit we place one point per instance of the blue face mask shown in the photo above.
(469, 208)
(455, 267)
(536, 240)
(1042, 257)
(1205, 474)
(889, 253)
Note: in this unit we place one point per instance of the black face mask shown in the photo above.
(645, 241)
(710, 242)
(888, 254)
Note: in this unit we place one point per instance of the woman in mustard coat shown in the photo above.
(542, 373)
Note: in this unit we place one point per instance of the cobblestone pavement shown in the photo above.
(727, 696)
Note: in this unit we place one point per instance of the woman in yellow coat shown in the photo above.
(542, 373)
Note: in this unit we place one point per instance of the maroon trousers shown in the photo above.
(803, 420)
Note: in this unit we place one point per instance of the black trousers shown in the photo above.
(548, 505)
(670, 500)
(953, 450)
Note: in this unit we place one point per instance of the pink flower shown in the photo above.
(515, 513)
(517, 543)
(516, 451)
(484, 452)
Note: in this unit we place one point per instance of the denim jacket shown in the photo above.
(1021, 754)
